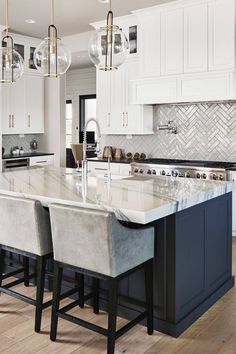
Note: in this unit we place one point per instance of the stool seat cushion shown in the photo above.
(25, 225)
(94, 240)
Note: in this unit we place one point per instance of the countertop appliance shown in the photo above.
(208, 170)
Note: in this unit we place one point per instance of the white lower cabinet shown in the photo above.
(42, 160)
(101, 168)
(23, 106)
(115, 111)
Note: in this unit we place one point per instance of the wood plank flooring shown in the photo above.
(213, 333)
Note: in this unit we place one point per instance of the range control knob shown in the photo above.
(136, 170)
(154, 172)
(213, 176)
(187, 174)
(149, 172)
(141, 171)
(163, 173)
(175, 173)
(221, 177)
(198, 175)
(203, 176)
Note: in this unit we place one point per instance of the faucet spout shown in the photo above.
(84, 163)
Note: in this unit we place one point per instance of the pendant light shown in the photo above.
(11, 62)
(52, 58)
(109, 46)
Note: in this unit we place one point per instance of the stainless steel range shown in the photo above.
(207, 170)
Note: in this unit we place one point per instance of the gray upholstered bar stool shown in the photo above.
(96, 244)
(25, 230)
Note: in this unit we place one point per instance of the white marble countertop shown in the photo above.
(136, 199)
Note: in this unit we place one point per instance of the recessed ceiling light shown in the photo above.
(103, 1)
(30, 21)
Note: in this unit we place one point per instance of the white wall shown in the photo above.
(79, 82)
(54, 139)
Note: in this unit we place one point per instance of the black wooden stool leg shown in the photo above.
(41, 270)
(56, 299)
(149, 295)
(80, 283)
(26, 270)
(95, 295)
(112, 314)
(1, 266)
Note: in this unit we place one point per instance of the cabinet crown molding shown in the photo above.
(170, 5)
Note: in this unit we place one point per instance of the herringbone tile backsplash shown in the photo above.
(205, 132)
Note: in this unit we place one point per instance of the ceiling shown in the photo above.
(72, 16)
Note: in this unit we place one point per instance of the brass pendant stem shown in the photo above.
(52, 12)
(7, 17)
(109, 41)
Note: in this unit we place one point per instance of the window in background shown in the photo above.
(69, 118)
(88, 110)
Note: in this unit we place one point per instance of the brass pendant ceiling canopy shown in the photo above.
(109, 46)
(52, 58)
(11, 62)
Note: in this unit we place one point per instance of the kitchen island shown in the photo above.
(193, 223)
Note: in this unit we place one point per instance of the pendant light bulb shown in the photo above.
(11, 62)
(52, 58)
(108, 47)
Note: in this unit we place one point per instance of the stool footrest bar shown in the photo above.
(17, 295)
(131, 324)
(18, 281)
(11, 274)
(83, 323)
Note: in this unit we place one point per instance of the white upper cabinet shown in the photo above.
(221, 35)
(104, 100)
(187, 52)
(195, 38)
(116, 114)
(172, 42)
(23, 108)
(149, 41)
(34, 104)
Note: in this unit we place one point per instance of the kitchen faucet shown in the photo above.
(84, 161)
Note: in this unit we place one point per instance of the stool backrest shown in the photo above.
(94, 240)
(25, 225)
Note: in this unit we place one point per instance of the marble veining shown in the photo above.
(137, 199)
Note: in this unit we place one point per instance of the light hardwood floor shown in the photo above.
(213, 333)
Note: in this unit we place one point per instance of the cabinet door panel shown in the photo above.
(6, 113)
(104, 100)
(149, 43)
(221, 34)
(118, 91)
(172, 42)
(195, 38)
(34, 89)
(17, 106)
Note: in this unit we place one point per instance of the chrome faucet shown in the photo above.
(169, 127)
(84, 161)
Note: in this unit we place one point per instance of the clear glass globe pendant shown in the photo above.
(11, 62)
(109, 46)
(52, 58)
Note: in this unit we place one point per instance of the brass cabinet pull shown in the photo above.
(13, 121)
(127, 119)
(9, 120)
(29, 121)
(123, 119)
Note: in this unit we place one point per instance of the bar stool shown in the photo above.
(25, 230)
(94, 243)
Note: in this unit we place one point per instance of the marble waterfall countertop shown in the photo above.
(137, 199)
